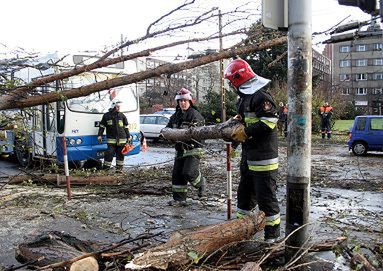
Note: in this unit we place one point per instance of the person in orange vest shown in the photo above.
(325, 113)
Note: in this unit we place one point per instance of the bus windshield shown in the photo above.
(100, 102)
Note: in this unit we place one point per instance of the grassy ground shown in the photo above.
(342, 125)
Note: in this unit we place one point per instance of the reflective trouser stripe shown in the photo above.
(263, 162)
(194, 152)
(273, 220)
(196, 182)
(119, 163)
(108, 164)
(179, 188)
(264, 168)
(102, 126)
(241, 213)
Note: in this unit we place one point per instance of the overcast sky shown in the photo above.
(75, 25)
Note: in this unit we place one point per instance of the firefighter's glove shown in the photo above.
(239, 133)
(129, 140)
(99, 139)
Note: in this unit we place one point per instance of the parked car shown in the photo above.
(152, 124)
(366, 134)
(168, 111)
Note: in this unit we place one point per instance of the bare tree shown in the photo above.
(23, 96)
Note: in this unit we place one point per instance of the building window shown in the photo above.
(378, 61)
(361, 62)
(378, 46)
(346, 91)
(378, 76)
(344, 63)
(344, 77)
(345, 49)
(361, 48)
(361, 76)
(361, 91)
(377, 91)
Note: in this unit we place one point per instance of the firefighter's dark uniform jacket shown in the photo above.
(117, 135)
(116, 125)
(186, 164)
(259, 161)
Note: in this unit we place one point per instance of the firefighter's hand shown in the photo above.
(239, 134)
(99, 139)
(129, 140)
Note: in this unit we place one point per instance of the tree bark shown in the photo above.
(189, 246)
(251, 266)
(218, 131)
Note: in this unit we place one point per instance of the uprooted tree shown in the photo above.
(23, 94)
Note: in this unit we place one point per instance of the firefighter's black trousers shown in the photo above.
(260, 188)
(109, 154)
(186, 169)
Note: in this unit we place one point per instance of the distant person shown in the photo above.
(117, 135)
(188, 154)
(282, 119)
(325, 113)
(257, 112)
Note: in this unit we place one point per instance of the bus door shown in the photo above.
(44, 131)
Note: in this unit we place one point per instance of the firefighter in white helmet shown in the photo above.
(258, 135)
(117, 135)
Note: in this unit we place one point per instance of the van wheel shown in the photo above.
(24, 157)
(359, 148)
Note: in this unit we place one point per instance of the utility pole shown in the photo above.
(299, 119)
(223, 94)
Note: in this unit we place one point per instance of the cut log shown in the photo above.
(189, 246)
(251, 266)
(218, 131)
(60, 180)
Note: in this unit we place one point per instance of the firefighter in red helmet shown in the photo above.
(188, 154)
(257, 112)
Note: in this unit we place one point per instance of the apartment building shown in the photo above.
(322, 72)
(161, 90)
(357, 67)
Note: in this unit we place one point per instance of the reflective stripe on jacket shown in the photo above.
(261, 148)
(116, 125)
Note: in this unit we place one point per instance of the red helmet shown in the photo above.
(238, 72)
(183, 93)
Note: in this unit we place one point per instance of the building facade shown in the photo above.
(160, 91)
(322, 72)
(358, 70)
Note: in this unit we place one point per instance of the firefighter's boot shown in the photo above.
(272, 233)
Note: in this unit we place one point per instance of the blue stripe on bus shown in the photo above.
(89, 148)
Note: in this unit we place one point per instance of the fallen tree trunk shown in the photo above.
(218, 131)
(189, 246)
(60, 180)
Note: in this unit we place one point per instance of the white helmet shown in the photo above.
(115, 102)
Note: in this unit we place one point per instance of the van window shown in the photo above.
(376, 124)
(361, 124)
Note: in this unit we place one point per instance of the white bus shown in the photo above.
(75, 119)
